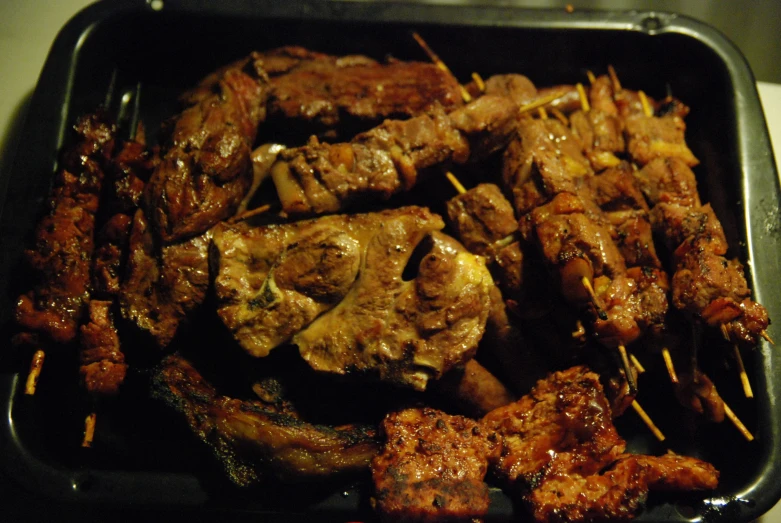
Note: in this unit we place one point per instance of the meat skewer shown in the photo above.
(50, 313)
(439, 63)
(490, 220)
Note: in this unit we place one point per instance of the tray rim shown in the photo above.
(754, 155)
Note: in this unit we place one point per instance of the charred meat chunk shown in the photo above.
(103, 365)
(253, 441)
(431, 468)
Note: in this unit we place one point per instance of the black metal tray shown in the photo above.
(137, 55)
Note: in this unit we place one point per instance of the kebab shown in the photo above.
(50, 313)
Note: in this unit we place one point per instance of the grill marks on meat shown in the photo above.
(562, 455)
(64, 238)
(406, 331)
(273, 281)
(324, 178)
(324, 89)
(431, 468)
(205, 169)
(253, 441)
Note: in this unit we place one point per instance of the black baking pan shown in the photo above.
(135, 56)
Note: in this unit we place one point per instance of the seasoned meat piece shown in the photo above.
(574, 246)
(64, 237)
(703, 277)
(474, 389)
(516, 87)
(273, 281)
(406, 331)
(563, 426)
(688, 228)
(697, 392)
(431, 468)
(602, 136)
(634, 303)
(633, 234)
(323, 178)
(537, 166)
(205, 170)
(129, 170)
(481, 217)
(615, 189)
(651, 137)
(103, 365)
(620, 492)
(567, 97)
(325, 89)
(252, 441)
(562, 455)
(488, 123)
(157, 294)
(668, 180)
(749, 326)
(107, 261)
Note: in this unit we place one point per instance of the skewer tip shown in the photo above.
(36, 364)
(767, 337)
(457, 184)
(668, 361)
(630, 375)
(647, 420)
(738, 424)
(743, 376)
(89, 430)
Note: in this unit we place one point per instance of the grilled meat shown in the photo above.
(273, 281)
(562, 455)
(205, 169)
(323, 178)
(482, 217)
(657, 137)
(103, 365)
(253, 441)
(406, 331)
(431, 468)
(64, 238)
(159, 292)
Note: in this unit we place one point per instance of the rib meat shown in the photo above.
(255, 442)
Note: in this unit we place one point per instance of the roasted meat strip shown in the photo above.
(325, 178)
(205, 169)
(64, 238)
(431, 468)
(562, 455)
(255, 442)
(407, 331)
(272, 281)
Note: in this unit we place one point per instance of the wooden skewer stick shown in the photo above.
(539, 102)
(559, 116)
(743, 376)
(738, 424)
(630, 376)
(594, 299)
(668, 361)
(479, 82)
(591, 77)
(765, 335)
(249, 214)
(579, 331)
(613, 79)
(646, 106)
(637, 364)
(543, 113)
(648, 421)
(583, 98)
(452, 177)
(35, 371)
(439, 63)
(89, 430)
